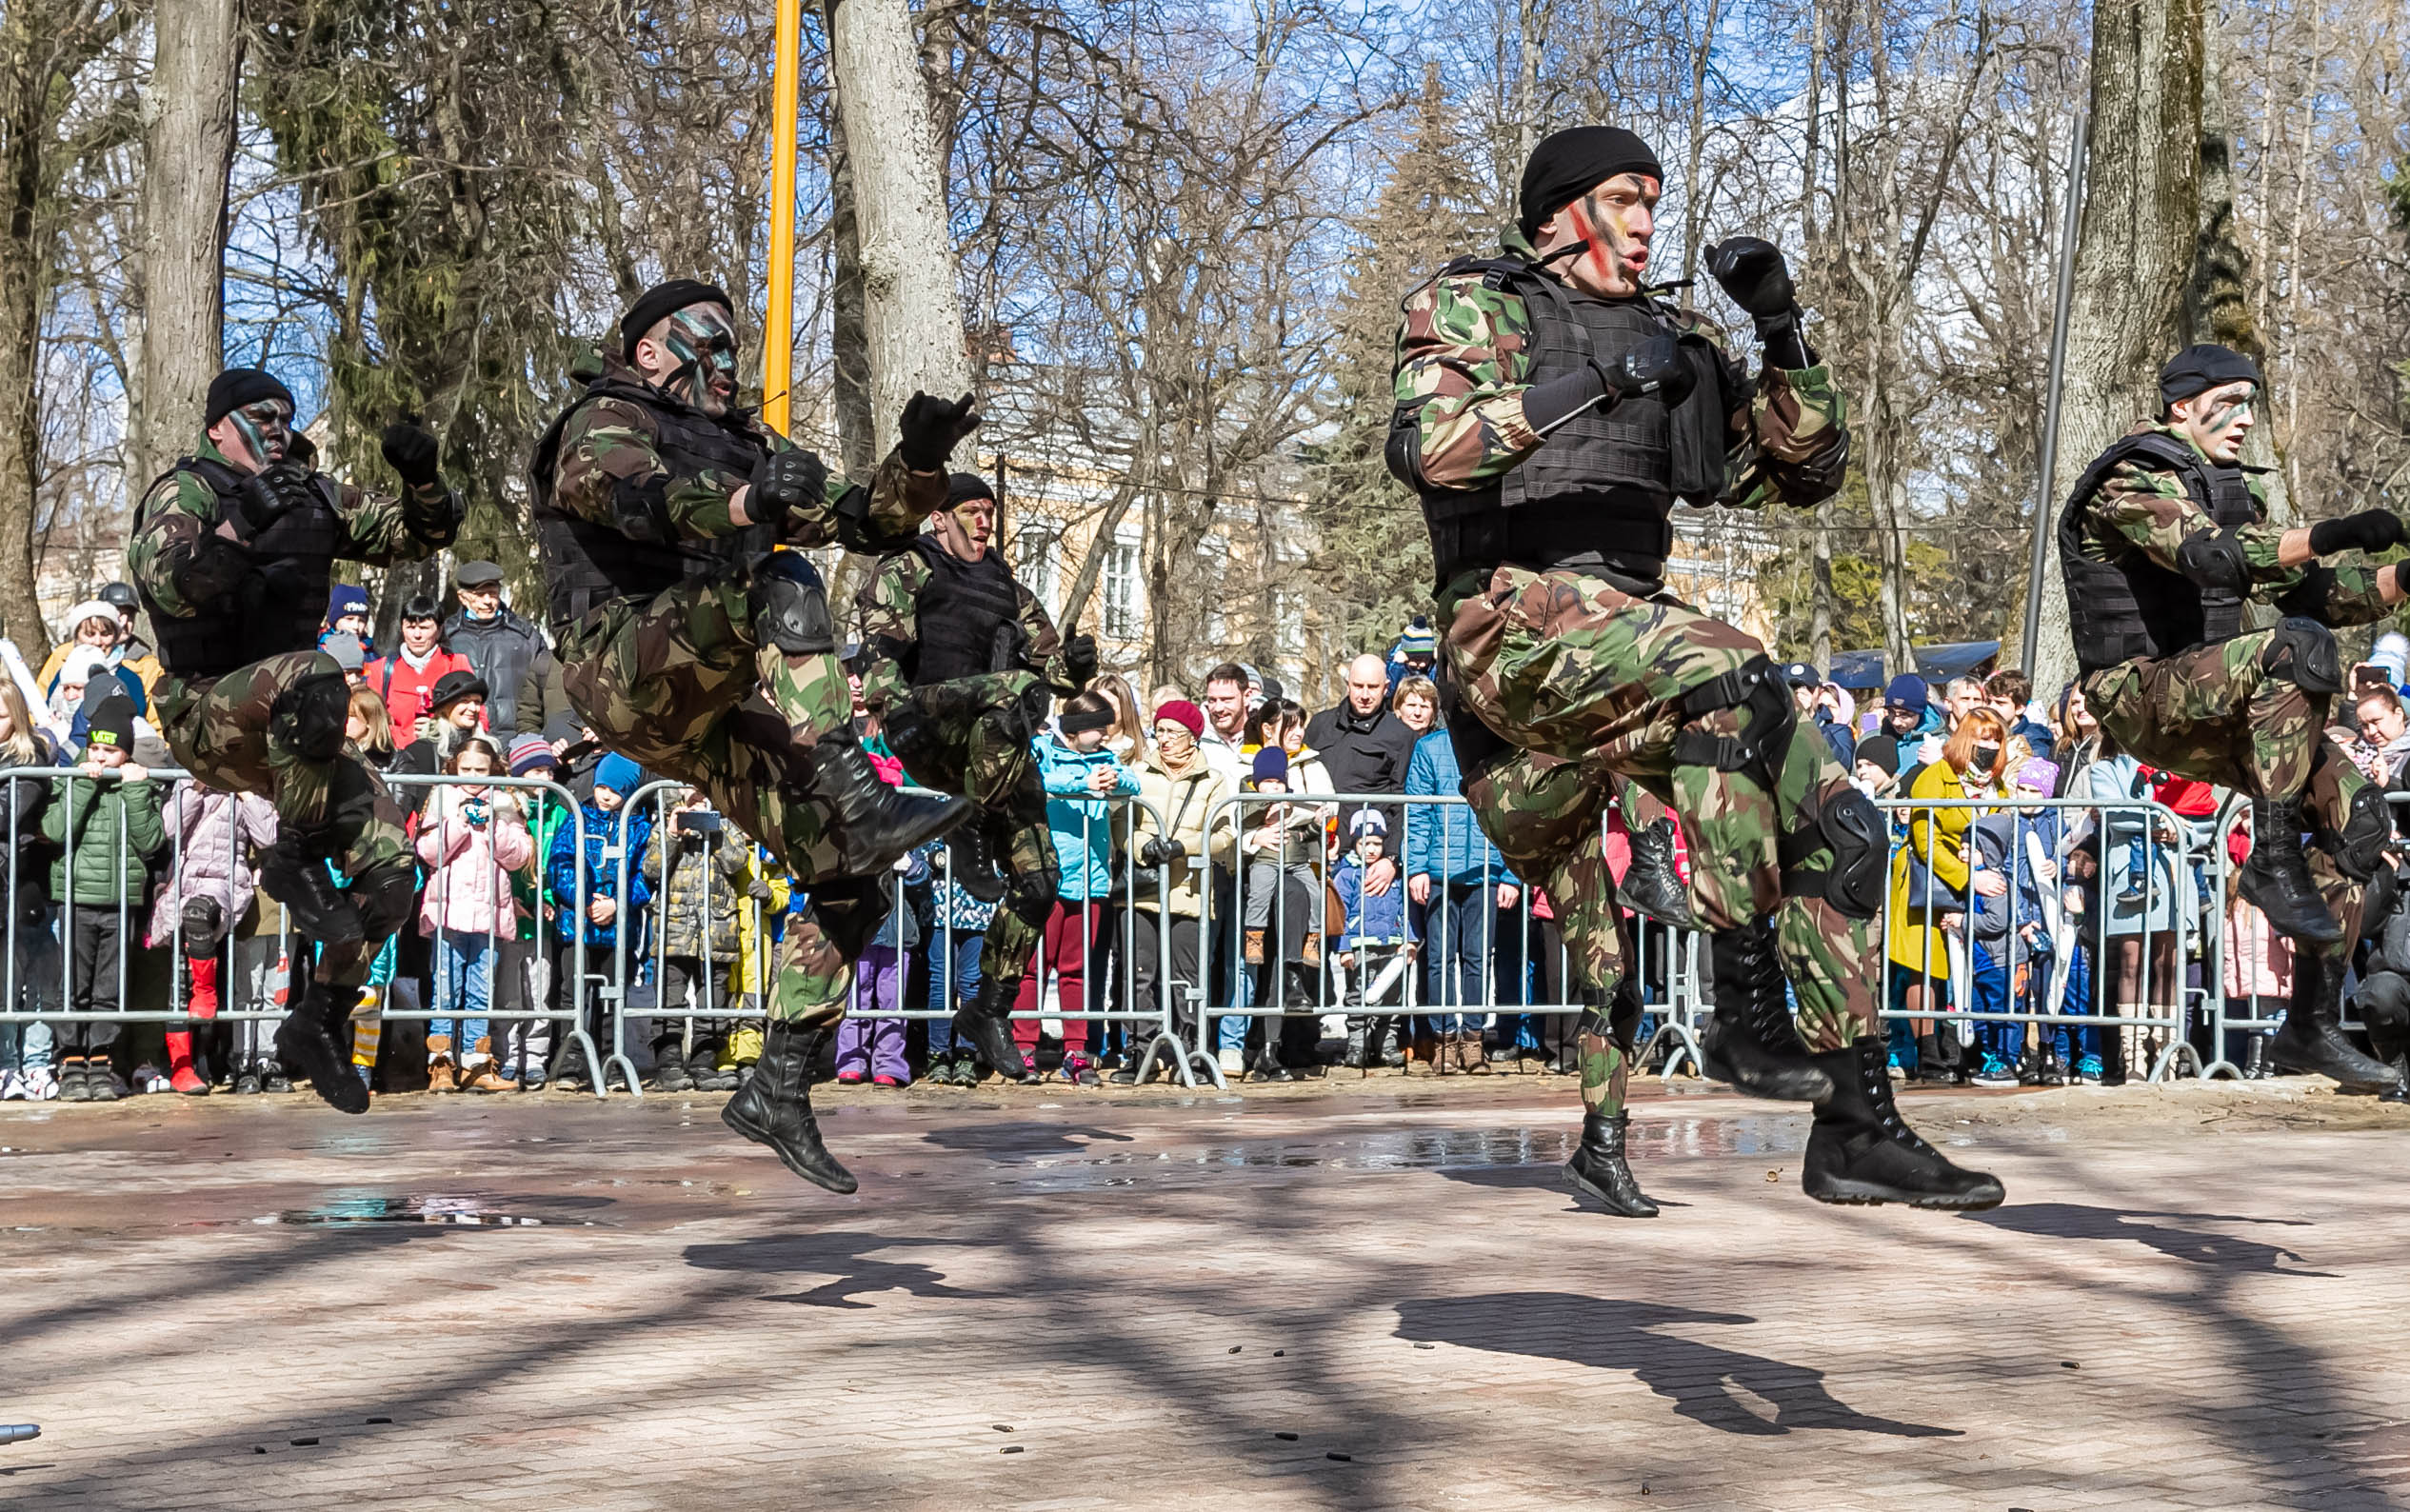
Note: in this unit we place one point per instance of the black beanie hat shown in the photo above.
(2197, 369)
(110, 720)
(963, 486)
(666, 299)
(236, 387)
(1567, 165)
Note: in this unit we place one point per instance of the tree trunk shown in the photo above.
(2134, 248)
(912, 309)
(849, 348)
(189, 147)
(24, 259)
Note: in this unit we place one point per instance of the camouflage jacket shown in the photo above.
(1460, 381)
(177, 558)
(2140, 507)
(608, 441)
(889, 618)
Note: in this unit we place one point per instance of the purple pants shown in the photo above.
(875, 1046)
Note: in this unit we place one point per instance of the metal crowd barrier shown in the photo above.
(1519, 970)
(2043, 943)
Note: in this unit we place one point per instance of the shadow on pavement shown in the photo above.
(842, 1255)
(1605, 1334)
(2077, 1221)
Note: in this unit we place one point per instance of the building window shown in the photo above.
(1121, 593)
(1034, 554)
(1288, 623)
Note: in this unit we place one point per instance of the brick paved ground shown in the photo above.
(1371, 1296)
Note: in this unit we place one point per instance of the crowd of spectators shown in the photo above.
(1344, 930)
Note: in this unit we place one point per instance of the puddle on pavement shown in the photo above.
(1415, 1150)
(472, 1211)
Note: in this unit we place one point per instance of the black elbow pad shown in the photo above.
(2214, 560)
(640, 507)
(1400, 451)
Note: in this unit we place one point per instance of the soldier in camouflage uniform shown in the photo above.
(962, 661)
(2163, 543)
(231, 553)
(689, 645)
(1549, 414)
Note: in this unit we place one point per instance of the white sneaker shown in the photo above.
(155, 1083)
(11, 1088)
(1233, 1061)
(42, 1085)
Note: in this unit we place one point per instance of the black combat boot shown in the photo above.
(1751, 1042)
(1651, 884)
(2310, 1039)
(974, 866)
(315, 1042)
(874, 824)
(1598, 1167)
(2277, 877)
(1860, 1150)
(773, 1107)
(983, 1024)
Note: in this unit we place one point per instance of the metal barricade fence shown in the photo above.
(1122, 914)
(26, 932)
(2012, 951)
(1464, 949)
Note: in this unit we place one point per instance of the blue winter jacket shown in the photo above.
(1378, 919)
(601, 832)
(1084, 827)
(1441, 840)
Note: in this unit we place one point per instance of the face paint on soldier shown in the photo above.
(255, 437)
(693, 355)
(1612, 224)
(965, 530)
(2217, 418)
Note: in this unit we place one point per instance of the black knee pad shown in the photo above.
(1847, 822)
(2359, 847)
(382, 899)
(2383, 1004)
(911, 737)
(1613, 1016)
(1754, 688)
(2303, 652)
(849, 911)
(791, 605)
(309, 718)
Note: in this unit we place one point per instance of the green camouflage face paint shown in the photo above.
(704, 344)
(266, 427)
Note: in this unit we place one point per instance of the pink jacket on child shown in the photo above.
(468, 866)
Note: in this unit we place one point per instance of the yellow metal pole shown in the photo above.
(778, 336)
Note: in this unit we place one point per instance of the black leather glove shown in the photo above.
(784, 482)
(411, 452)
(2368, 530)
(1654, 366)
(1753, 273)
(931, 428)
(1079, 658)
(1160, 852)
(268, 496)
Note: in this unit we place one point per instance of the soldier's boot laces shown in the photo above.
(875, 823)
(315, 1042)
(1751, 1042)
(2312, 1038)
(1861, 1151)
(2277, 877)
(974, 863)
(1598, 1169)
(773, 1107)
(1652, 885)
(983, 1024)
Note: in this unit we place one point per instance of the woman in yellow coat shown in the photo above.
(1932, 873)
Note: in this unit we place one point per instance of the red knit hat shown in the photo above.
(1183, 713)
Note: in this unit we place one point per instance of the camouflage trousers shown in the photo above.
(1586, 680)
(218, 729)
(680, 683)
(2214, 713)
(971, 737)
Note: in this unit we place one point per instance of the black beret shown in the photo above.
(236, 387)
(963, 486)
(664, 300)
(2197, 369)
(1567, 165)
(453, 687)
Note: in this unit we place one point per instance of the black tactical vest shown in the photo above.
(282, 599)
(969, 614)
(587, 563)
(1601, 488)
(2133, 606)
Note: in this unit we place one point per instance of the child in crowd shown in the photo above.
(1375, 953)
(470, 839)
(962, 919)
(694, 865)
(107, 827)
(870, 1040)
(1280, 847)
(1077, 773)
(582, 873)
(211, 839)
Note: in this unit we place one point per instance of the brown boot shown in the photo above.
(1470, 1054)
(1254, 952)
(482, 1075)
(441, 1076)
